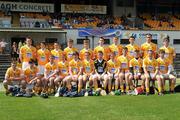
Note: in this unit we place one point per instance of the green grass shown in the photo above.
(89, 108)
(141, 107)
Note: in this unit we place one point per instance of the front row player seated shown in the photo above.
(100, 71)
(112, 71)
(88, 70)
(151, 70)
(63, 74)
(123, 63)
(136, 69)
(75, 72)
(165, 69)
(95, 72)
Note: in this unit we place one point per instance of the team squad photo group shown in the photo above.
(105, 70)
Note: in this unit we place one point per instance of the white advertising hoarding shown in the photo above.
(92, 9)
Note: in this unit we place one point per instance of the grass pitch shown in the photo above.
(140, 107)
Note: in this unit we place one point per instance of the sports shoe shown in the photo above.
(19, 94)
(7, 92)
(117, 92)
(86, 94)
(57, 94)
(112, 93)
(132, 92)
(103, 93)
(28, 95)
(171, 92)
(44, 95)
(160, 94)
(147, 93)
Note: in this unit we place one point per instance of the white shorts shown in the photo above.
(30, 86)
(41, 69)
(99, 76)
(167, 76)
(12, 83)
(25, 65)
(115, 76)
(151, 75)
(138, 74)
(16, 82)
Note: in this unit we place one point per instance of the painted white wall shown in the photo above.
(73, 34)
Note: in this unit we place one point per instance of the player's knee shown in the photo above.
(5, 82)
(95, 77)
(95, 80)
(121, 75)
(158, 77)
(90, 82)
(38, 81)
(147, 76)
(106, 78)
(23, 82)
(51, 79)
(142, 77)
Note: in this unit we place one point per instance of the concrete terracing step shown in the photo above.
(5, 63)
(177, 66)
(5, 55)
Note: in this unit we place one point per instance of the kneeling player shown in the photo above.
(151, 69)
(112, 72)
(136, 69)
(100, 71)
(165, 68)
(13, 76)
(88, 70)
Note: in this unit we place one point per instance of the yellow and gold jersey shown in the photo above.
(43, 56)
(117, 49)
(75, 66)
(63, 68)
(30, 73)
(28, 53)
(50, 68)
(105, 51)
(88, 66)
(123, 62)
(57, 55)
(112, 66)
(146, 46)
(131, 49)
(69, 53)
(82, 52)
(169, 53)
(136, 64)
(13, 73)
(150, 64)
(163, 65)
